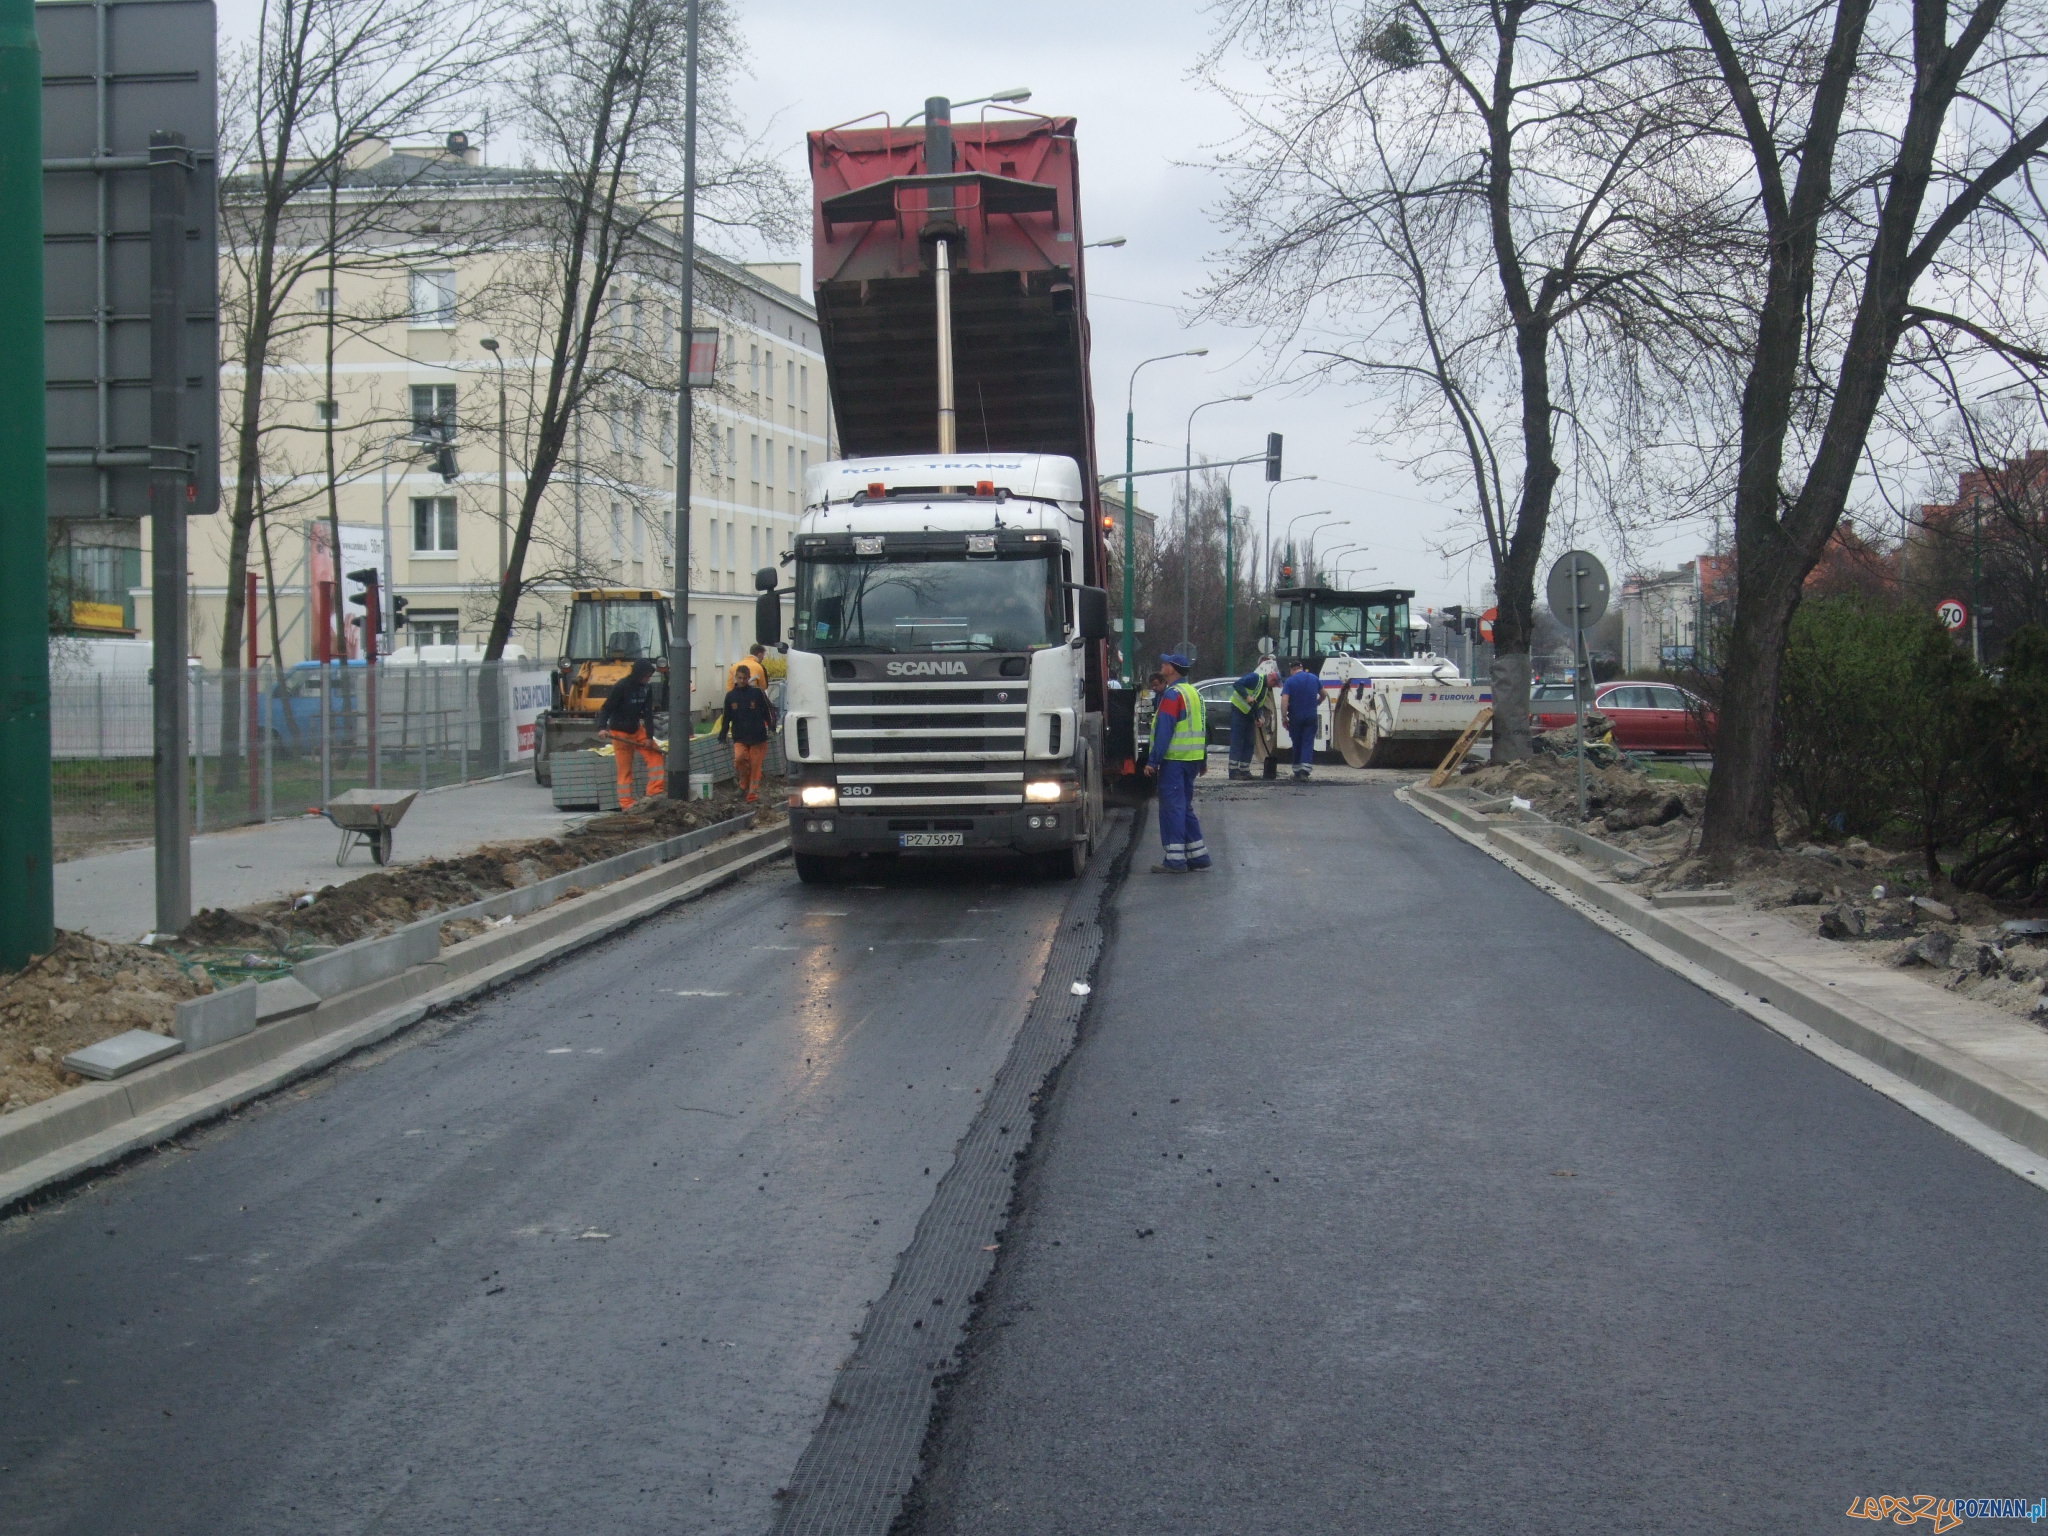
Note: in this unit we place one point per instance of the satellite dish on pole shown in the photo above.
(1577, 590)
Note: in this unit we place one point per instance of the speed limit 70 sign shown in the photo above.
(1953, 615)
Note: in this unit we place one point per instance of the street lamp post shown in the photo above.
(1187, 505)
(1288, 537)
(1130, 639)
(1332, 554)
(1266, 555)
(681, 699)
(490, 345)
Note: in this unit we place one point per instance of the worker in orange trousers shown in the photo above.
(627, 718)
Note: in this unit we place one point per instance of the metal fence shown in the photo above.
(267, 743)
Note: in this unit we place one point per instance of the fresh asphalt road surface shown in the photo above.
(1383, 1193)
(584, 1259)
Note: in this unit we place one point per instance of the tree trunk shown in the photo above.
(1741, 793)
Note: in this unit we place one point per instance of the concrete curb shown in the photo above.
(2009, 1106)
(101, 1123)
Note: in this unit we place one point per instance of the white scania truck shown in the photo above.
(937, 694)
(947, 689)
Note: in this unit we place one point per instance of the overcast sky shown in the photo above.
(1123, 69)
(1145, 129)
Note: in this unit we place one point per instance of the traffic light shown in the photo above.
(1454, 617)
(398, 607)
(445, 465)
(368, 577)
(1273, 457)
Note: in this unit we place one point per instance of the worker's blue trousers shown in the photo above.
(1243, 740)
(1303, 731)
(1180, 834)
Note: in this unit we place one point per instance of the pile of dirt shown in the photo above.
(1877, 901)
(1620, 797)
(266, 938)
(86, 990)
(81, 991)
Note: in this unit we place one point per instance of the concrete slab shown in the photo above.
(282, 998)
(208, 1021)
(1692, 898)
(357, 965)
(121, 1054)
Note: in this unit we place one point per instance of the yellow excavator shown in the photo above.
(609, 630)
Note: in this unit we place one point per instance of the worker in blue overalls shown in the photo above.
(1249, 696)
(1180, 754)
(1303, 695)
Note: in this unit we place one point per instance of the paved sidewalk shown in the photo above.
(113, 895)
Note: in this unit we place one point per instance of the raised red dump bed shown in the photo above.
(1011, 203)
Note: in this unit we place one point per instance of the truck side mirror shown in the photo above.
(1094, 612)
(766, 579)
(768, 614)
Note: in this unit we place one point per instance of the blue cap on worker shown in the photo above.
(1175, 659)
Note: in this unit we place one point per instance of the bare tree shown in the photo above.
(1492, 207)
(321, 82)
(601, 103)
(1889, 157)
(1989, 545)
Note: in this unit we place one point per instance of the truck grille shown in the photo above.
(899, 747)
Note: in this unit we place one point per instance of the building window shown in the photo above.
(433, 525)
(732, 454)
(618, 533)
(326, 412)
(771, 373)
(617, 424)
(639, 531)
(433, 412)
(718, 640)
(768, 463)
(639, 429)
(803, 463)
(754, 370)
(433, 298)
(803, 390)
(323, 300)
(790, 481)
(437, 628)
(732, 545)
(791, 380)
(754, 457)
(667, 434)
(754, 547)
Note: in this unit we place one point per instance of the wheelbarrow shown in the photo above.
(367, 818)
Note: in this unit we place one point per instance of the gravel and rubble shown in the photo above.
(1878, 902)
(83, 990)
(87, 989)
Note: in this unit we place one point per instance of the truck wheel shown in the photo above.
(819, 868)
(1067, 863)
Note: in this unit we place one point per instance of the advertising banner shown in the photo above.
(526, 695)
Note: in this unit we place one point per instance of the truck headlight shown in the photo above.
(1043, 790)
(820, 796)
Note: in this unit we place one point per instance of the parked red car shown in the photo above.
(1647, 717)
(1656, 717)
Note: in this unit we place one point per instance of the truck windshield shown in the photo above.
(616, 629)
(941, 604)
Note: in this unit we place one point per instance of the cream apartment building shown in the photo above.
(411, 376)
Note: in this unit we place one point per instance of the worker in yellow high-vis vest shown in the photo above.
(1180, 754)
